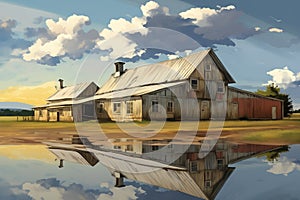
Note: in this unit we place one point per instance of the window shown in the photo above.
(101, 108)
(155, 106)
(208, 68)
(170, 107)
(155, 148)
(41, 113)
(220, 87)
(207, 184)
(117, 107)
(61, 112)
(129, 148)
(194, 84)
(129, 107)
(220, 163)
(194, 167)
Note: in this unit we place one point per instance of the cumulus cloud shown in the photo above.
(284, 78)
(62, 38)
(52, 188)
(275, 30)
(156, 31)
(283, 166)
(206, 27)
(126, 193)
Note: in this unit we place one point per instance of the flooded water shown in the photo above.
(149, 169)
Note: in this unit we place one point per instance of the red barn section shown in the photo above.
(247, 105)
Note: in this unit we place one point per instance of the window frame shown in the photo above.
(154, 107)
(130, 107)
(194, 166)
(41, 113)
(207, 69)
(223, 87)
(191, 84)
(172, 107)
(113, 108)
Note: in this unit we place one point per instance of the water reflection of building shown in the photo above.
(173, 166)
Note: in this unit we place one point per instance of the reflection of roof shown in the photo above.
(81, 157)
(70, 92)
(163, 72)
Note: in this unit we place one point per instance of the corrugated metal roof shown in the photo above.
(253, 94)
(117, 94)
(70, 92)
(167, 71)
(137, 91)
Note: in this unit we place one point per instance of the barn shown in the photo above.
(195, 87)
(68, 104)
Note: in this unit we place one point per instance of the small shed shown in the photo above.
(69, 103)
(248, 105)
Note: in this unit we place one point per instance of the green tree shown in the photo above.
(274, 91)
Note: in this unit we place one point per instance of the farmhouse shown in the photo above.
(190, 88)
(195, 87)
(68, 104)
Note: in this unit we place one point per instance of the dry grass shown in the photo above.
(285, 131)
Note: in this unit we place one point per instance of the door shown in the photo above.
(57, 115)
(204, 112)
(235, 111)
(274, 113)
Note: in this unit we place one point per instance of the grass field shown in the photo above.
(285, 131)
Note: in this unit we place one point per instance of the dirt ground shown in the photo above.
(267, 132)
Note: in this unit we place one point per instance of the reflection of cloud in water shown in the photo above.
(54, 189)
(128, 192)
(284, 166)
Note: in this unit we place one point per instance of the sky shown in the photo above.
(43, 41)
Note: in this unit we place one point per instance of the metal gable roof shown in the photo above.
(114, 95)
(70, 92)
(167, 71)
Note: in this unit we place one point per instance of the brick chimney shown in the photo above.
(61, 83)
(119, 66)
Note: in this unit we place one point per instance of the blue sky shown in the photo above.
(42, 41)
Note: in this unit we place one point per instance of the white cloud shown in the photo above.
(275, 30)
(283, 166)
(230, 7)
(36, 191)
(124, 193)
(66, 38)
(153, 8)
(283, 77)
(172, 56)
(257, 28)
(199, 15)
(141, 37)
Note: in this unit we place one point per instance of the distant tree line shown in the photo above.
(274, 91)
(16, 112)
(296, 111)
